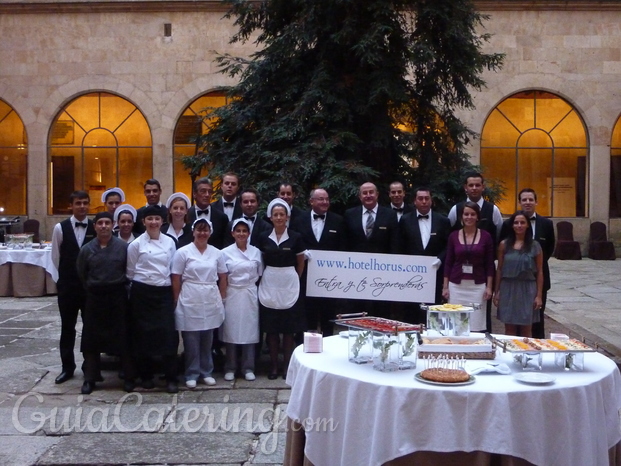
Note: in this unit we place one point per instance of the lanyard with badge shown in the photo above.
(467, 267)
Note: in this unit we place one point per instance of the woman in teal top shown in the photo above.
(519, 278)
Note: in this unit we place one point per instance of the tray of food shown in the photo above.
(472, 347)
(450, 308)
(378, 324)
(536, 345)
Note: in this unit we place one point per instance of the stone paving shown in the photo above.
(232, 423)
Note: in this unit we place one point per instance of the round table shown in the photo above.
(353, 414)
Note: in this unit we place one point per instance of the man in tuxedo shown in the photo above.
(543, 233)
(491, 219)
(202, 192)
(249, 204)
(323, 231)
(375, 229)
(425, 233)
(152, 192)
(371, 227)
(67, 239)
(396, 193)
(229, 202)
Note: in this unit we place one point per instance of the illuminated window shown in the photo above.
(190, 126)
(13, 162)
(537, 140)
(615, 171)
(99, 141)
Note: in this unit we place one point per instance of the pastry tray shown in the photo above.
(377, 324)
(506, 347)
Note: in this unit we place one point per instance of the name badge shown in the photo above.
(466, 268)
(382, 228)
(331, 231)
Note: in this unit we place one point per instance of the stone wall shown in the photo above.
(47, 59)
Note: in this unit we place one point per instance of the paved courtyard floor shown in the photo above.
(232, 423)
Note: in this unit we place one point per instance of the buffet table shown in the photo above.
(378, 417)
(27, 272)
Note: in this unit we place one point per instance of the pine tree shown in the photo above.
(345, 91)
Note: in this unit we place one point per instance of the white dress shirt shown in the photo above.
(228, 210)
(424, 224)
(365, 216)
(57, 238)
(394, 207)
(317, 224)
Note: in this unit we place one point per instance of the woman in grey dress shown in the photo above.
(519, 278)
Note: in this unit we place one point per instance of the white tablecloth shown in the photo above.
(381, 416)
(40, 257)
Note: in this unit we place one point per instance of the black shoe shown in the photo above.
(87, 388)
(64, 376)
(129, 386)
(148, 384)
(272, 376)
(172, 387)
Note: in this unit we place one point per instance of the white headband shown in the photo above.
(124, 208)
(278, 202)
(118, 191)
(178, 195)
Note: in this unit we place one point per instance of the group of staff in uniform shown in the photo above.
(184, 275)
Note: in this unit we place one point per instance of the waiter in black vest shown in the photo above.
(491, 219)
(67, 239)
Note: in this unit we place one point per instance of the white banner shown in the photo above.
(379, 277)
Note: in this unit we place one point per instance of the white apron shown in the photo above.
(279, 287)
(199, 307)
(241, 325)
(468, 292)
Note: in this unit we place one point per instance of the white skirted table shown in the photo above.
(27, 272)
(380, 418)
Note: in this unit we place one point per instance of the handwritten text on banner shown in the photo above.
(380, 277)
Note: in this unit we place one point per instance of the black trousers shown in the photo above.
(71, 300)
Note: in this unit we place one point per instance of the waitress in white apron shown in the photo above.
(241, 308)
(199, 285)
(281, 309)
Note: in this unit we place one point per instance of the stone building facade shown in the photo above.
(158, 56)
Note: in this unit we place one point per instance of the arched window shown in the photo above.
(13, 162)
(99, 141)
(190, 126)
(615, 171)
(537, 140)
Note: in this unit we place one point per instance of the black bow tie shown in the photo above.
(423, 216)
(229, 204)
(321, 216)
(250, 219)
(81, 224)
(202, 212)
(533, 219)
(398, 209)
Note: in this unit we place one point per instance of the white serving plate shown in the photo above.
(537, 378)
